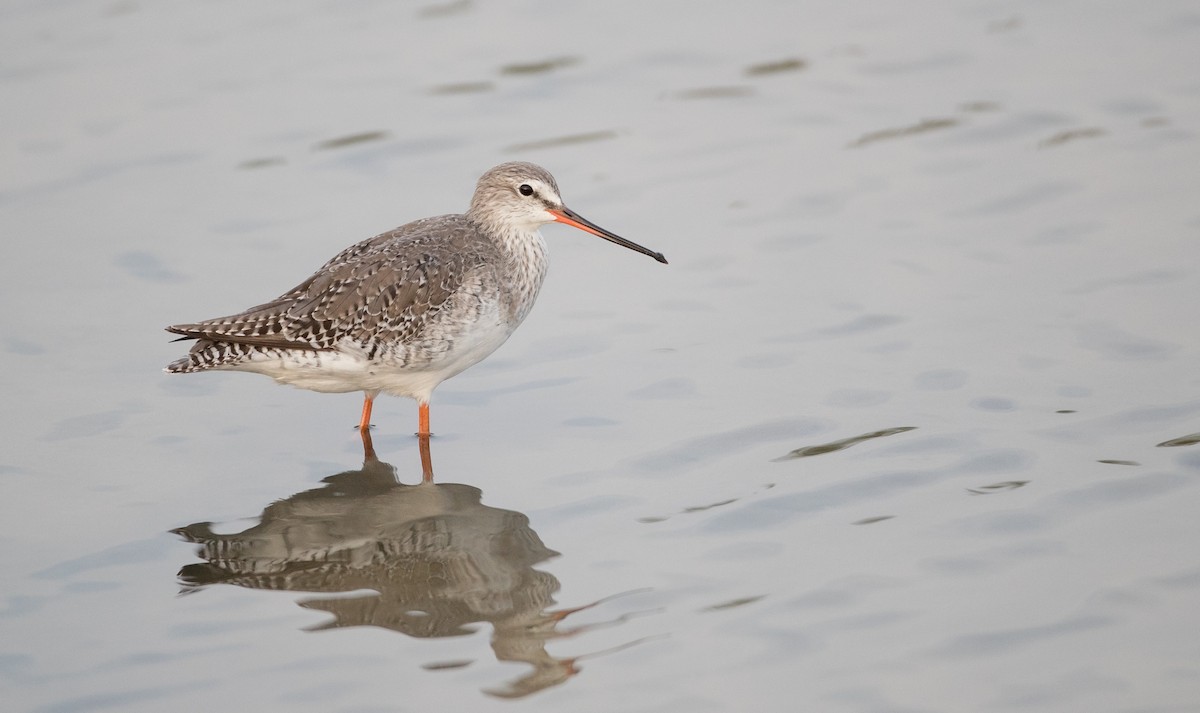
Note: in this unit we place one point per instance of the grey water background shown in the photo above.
(908, 423)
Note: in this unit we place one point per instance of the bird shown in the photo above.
(403, 311)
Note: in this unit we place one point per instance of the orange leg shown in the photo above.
(423, 419)
(364, 424)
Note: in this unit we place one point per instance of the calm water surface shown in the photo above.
(909, 423)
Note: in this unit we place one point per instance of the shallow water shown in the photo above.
(909, 423)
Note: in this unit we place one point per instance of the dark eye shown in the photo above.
(525, 189)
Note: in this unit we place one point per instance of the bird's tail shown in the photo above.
(207, 354)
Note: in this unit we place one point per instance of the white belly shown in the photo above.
(348, 369)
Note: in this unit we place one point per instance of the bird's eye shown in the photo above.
(525, 189)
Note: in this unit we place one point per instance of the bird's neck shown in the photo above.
(527, 262)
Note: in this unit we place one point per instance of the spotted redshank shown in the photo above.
(403, 311)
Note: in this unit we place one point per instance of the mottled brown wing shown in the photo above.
(387, 284)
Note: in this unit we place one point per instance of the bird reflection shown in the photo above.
(438, 559)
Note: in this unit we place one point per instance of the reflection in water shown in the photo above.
(539, 67)
(997, 487)
(723, 92)
(920, 127)
(1189, 440)
(809, 451)
(352, 139)
(437, 558)
(556, 141)
(791, 64)
(1063, 137)
(462, 88)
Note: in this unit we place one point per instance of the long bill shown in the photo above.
(575, 220)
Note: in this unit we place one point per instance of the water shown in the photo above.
(908, 423)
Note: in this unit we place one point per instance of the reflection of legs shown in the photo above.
(426, 460)
(423, 419)
(364, 423)
(368, 447)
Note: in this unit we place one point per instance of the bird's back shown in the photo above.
(386, 296)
